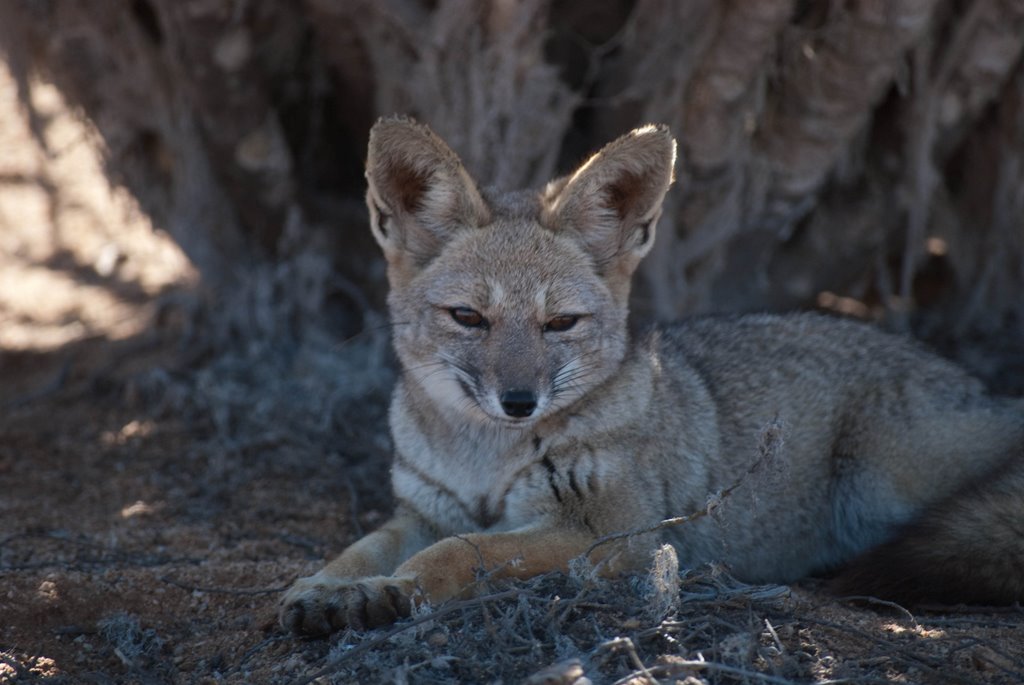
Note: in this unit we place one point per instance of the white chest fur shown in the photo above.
(459, 479)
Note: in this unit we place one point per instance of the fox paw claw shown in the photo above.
(318, 605)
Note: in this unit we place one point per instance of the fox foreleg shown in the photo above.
(338, 596)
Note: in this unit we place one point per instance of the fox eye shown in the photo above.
(470, 318)
(561, 323)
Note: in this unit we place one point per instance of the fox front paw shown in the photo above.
(319, 605)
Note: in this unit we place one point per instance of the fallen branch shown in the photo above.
(867, 599)
(626, 645)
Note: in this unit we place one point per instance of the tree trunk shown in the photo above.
(866, 157)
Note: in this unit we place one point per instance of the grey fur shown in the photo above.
(492, 295)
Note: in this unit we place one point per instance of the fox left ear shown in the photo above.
(612, 202)
(419, 193)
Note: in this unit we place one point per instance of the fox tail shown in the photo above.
(966, 548)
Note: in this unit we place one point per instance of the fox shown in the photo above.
(532, 426)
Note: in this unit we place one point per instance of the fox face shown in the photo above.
(508, 340)
(507, 309)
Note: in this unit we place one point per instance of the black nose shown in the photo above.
(518, 403)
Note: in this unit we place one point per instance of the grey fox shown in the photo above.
(528, 422)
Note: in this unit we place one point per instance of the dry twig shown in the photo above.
(439, 613)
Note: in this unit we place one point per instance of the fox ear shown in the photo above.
(612, 202)
(419, 193)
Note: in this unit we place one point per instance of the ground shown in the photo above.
(139, 545)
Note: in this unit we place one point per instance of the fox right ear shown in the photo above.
(612, 203)
(419, 193)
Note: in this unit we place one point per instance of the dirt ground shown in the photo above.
(138, 547)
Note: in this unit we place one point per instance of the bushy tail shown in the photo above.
(968, 548)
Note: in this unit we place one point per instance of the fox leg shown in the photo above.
(449, 568)
(330, 598)
(440, 572)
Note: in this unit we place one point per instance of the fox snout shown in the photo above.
(518, 404)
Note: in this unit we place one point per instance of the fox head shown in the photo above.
(507, 308)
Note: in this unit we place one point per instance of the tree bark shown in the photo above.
(862, 153)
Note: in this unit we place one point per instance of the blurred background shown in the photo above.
(855, 156)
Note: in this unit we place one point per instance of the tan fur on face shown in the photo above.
(548, 275)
